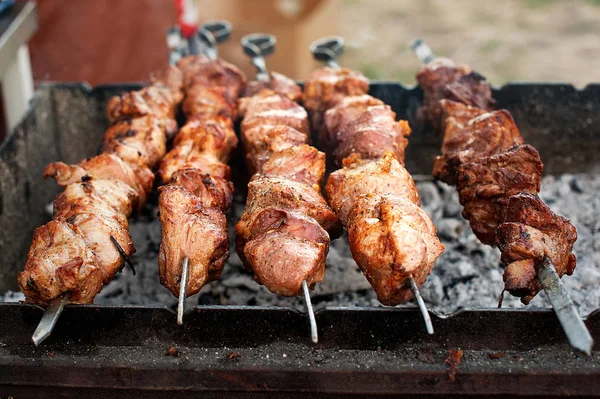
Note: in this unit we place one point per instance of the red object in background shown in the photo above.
(100, 41)
(187, 17)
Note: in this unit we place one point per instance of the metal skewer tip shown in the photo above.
(46, 325)
(123, 254)
(182, 290)
(577, 333)
(422, 51)
(419, 299)
(314, 334)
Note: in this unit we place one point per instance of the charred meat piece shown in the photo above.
(171, 79)
(360, 177)
(325, 87)
(372, 134)
(205, 144)
(59, 261)
(209, 102)
(190, 229)
(528, 232)
(213, 192)
(344, 113)
(302, 163)
(261, 142)
(443, 79)
(103, 167)
(486, 179)
(278, 83)
(487, 134)
(392, 239)
(270, 109)
(200, 70)
(136, 140)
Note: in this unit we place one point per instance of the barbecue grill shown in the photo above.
(137, 350)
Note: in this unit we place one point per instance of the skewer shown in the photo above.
(577, 333)
(421, 304)
(257, 46)
(314, 334)
(204, 42)
(328, 49)
(123, 254)
(182, 289)
(575, 329)
(48, 321)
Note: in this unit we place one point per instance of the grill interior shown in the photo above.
(67, 122)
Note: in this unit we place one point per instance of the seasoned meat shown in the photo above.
(270, 109)
(209, 102)
(392, 239)
(302, 163)
(278, 83)
(486, 179)
(372, 134)
(344, 113)
(200, 70)
(59, 261)
(360, 177)
(103, 167)
(261, 142)
(172, 79)
(530, 231)
(325, 87)
(190, 229)
(443, 79)
(136, 140)
(487, 134)
(213, 192)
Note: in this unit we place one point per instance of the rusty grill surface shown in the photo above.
(250, 351)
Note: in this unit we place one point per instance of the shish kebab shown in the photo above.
(498, 179)
(87, 241)
(392, 239)
(197, 190)
(284, 234)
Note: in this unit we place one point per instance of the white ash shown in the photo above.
(466, 275)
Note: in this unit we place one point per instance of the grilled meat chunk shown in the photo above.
(278, 83)
(360, 177)
(487, 134)
(326, 87)
(342, 114)
(171, 79)
(271, 109)
(261, 142)
(202, 71)
(302, 163)
(530, 231)
(372, 134)
(193, 230)
(484, 180)
(392, 239)
(103, 167)
(443, 79)
(205, 144)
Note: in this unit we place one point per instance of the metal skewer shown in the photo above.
(123, 254)
(48, 321)
(577, 333)
(314, 334)
(204, 42)
(421, 304)
(257, 46)
(327, 50)
(185, 266)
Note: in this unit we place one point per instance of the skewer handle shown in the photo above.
(208, 36)
(422, 51)
(328, 49)
(574, 327)
(176, 44)
(257, 46)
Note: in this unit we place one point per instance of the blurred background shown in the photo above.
(123, 40)
(111, 41)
